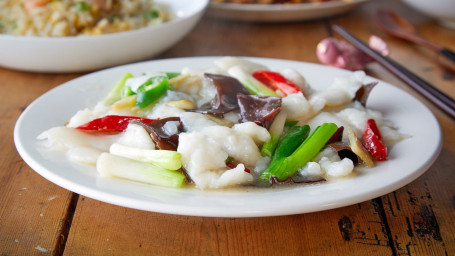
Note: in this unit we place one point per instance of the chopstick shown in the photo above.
(435, 96)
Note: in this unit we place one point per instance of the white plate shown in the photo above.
(408, 159)
(85, 53)
(280, 12)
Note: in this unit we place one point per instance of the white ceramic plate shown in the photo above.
(280, 12)
(86, 53)
(408, 159)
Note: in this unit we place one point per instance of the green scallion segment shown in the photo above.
(110, 165)
(150, 15)
(167, 159)
(276, 129)
(250, 83)
(116, 93)
(288, 166)
(82, 6)
(269, 146)
(291, 123)
(291, 140)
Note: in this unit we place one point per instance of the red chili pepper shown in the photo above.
(372, 141)
(111, 123)
(276, 81)
(232, 166)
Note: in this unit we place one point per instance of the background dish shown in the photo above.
(408, 159)
(280, 12)
(85, 53)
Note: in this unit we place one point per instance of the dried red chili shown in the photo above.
(372, 141)
(276, 81)
(111, 123)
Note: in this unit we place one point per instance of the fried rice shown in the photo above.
(59, 18)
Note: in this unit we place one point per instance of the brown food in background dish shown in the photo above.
(272, 1)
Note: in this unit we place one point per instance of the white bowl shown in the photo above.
(441, 10)
(86, 53)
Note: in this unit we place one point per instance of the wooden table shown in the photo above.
(40, 218)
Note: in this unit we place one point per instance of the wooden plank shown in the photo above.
(33, 210)
(216, 37)
(103, 229)
(421, 216)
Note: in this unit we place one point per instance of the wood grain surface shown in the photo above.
(38, 217)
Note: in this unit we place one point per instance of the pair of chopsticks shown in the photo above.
(427, 90)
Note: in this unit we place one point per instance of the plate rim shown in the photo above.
(191, 210)
(279, 12)
(282, 7)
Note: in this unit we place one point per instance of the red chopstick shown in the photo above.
(438, 98)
